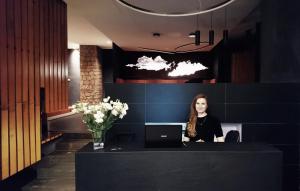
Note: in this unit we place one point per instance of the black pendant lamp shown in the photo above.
(211, 37)
(197, 38)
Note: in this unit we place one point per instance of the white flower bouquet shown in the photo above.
(100, 117)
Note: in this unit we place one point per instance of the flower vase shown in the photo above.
(98, 139)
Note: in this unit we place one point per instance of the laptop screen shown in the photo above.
(163, 135)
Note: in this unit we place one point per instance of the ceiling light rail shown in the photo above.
(151, 12)
(191, 50)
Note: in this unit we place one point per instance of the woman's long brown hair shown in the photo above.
(191, 126)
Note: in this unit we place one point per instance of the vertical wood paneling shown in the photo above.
(1, 47)
(31, 82)
(55, 46)
(37, 79)
(38, 132)
(51, 40)
(33, 43)
(47, 56)
(4, 144)
(42, 39)
(11, 86)
(4, 93)
(64, 57)
(19, 115)
(25, 89)
(20, 139)
(59, 60)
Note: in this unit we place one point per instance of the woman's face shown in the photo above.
(201, 105)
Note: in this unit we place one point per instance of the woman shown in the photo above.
(201, 126)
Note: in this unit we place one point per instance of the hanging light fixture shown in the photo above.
(195, 34)
(211, 34)
(197, 38)
(225, 36)
(225, 31)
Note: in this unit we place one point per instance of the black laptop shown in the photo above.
(166, 135)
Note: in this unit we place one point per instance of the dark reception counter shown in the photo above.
(205, 167)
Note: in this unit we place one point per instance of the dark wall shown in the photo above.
(117, 59)
(280, 41)
(106, 58)
(74, 76)
(268, 112)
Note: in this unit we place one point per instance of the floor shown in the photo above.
(56, 172)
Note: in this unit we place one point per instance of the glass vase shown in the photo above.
(98, 139)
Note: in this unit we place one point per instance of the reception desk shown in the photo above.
(197, 166)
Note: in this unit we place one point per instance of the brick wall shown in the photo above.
(91, 84)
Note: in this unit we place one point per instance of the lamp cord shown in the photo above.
(225, 17)
(211, 16)
(197, 18)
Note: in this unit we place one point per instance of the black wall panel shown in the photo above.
(178, 112)
(262, 113)
(167, 112)
(281, 133)
(136, 114)
(129, 93)
(183, 93)
(263, 93)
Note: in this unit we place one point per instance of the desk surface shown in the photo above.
(240, 147)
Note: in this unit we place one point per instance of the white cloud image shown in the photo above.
(182, 69)
(146, 63)
(186, 68)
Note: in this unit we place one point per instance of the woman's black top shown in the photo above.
(206, 128)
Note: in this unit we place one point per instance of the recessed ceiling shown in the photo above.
(101, 22)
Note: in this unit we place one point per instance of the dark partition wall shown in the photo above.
(269, 113)
(280, 37)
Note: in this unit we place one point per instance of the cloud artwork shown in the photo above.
(146, 63)
(182, 69)
(186, 68)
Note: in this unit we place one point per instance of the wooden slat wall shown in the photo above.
(4, 92)
(58, 41)
(36, 75)
(64, 54)
(10, 28)
(31, 81)
(32, 55)
(25, 89)
(51, 37)
(19, 112)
